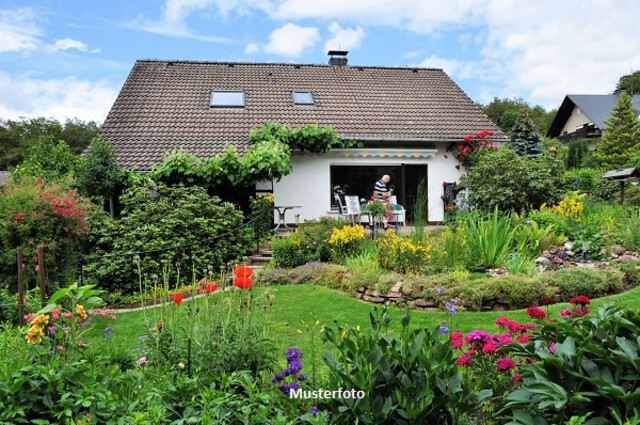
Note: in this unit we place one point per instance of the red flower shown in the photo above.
(464, 360)
(522, 339)
(548, 301)
(177, 298)
(516, 377)
(210, 287)
(505, 364)
(242, 280)
(536, 313)
(456, 339)
(581, 311)
(488, 348)
(580, 299)
(159, 326)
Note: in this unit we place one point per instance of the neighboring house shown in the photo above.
(582, 116)
(406, 119)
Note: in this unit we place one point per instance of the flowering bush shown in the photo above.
(467, 152)
(35, 214)
(346, 241)
(402, 254)
(378, 208)
(571, 206)
(294, 362)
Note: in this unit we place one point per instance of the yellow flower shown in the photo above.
(344, 333)
(40, 320)
(34, 335)
(82, 315)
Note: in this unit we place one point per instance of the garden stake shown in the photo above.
(189, 356)
(20, 288)
(41, 277)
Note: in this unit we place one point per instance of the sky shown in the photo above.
(69, 58)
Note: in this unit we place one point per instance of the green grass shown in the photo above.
(294, 304)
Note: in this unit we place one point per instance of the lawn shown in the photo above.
(295, 305)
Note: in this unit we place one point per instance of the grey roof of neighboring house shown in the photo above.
(164, 105)
(595, 106)
(4, 177)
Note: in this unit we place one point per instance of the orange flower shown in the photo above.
(35, 334)
(40, 320)
(208, 287)
(82, 315)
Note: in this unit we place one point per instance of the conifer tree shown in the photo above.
(622, 136)
(525, 137)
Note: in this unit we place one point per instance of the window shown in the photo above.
(302, 97)
(227, 99)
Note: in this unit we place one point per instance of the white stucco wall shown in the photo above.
(308, 185)
(577, 119)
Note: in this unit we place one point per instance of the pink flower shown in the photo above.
(552, 347)
(505, 364)
(28, 317)
(456, 339)
(59, 347)
(142, 360)
(114, 317)
(565, 312)
(580, 299)
(477, 336)
(516, 377)
(488, 348)
(80, 342)
(464, 360)
(55, 313)
(502, 339)
(581, 311)
(67, 314)
(522, 339)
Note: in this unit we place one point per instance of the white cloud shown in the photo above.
(416, 15)
(18, 30)
(291, 40)
(58, 98)
(251, 48)
(343, 38)
(453, 67)
(173, 21)
(66, 44)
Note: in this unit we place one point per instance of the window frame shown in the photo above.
(302, 91)
(234, 106)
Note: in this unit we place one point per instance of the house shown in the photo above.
(582, 116)
(405, 118)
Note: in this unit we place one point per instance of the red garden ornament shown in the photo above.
(243, 280)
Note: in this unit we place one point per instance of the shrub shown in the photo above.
(489, 239)
(588, 240)
(512, 291)
(408, 378)
(318, 273)
(275, 276)
(631, 196)
(345, 242)
(531, 239)
(287, 251)
(592, 366)
(386, 281)
(630, 231)
(582, 179)
(560, 224)
(522, 183)
(583, 281)
(450, 249)
(571, 207)
(315, 236)
(155, 217)
(402, 254)
(364, 276)
(34, 213)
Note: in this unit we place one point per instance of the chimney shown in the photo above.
(338, 57)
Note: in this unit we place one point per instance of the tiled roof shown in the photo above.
(164, 105)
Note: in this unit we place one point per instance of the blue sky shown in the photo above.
(69, 58)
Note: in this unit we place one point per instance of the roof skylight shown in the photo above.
(302, 97)
(227, 99)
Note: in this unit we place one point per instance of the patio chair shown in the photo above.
(353, 209)
(399, 213)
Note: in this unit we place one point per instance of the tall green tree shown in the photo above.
(503, 113)
(525, 137)
(629, 83)
(622, 135)
(49, 159)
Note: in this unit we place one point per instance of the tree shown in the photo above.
(17, 136)
(520, 184)
(100, 175)
(504, 111)
(621, 137)
(53, 161)
(525, 137)
(629, 83)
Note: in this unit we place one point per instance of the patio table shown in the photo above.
(282, 210)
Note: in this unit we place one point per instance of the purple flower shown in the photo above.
(37, 269)
(447, 306)
(287, 387)
(452, 310)
(293, 353)
(439, 291)
(314, 410)
(141, 339)
(108, 330)
(477, 336)
(302, 377)
(277, 378)
(454, 301)
(444, 330)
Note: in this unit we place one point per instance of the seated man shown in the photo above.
(381, 193)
